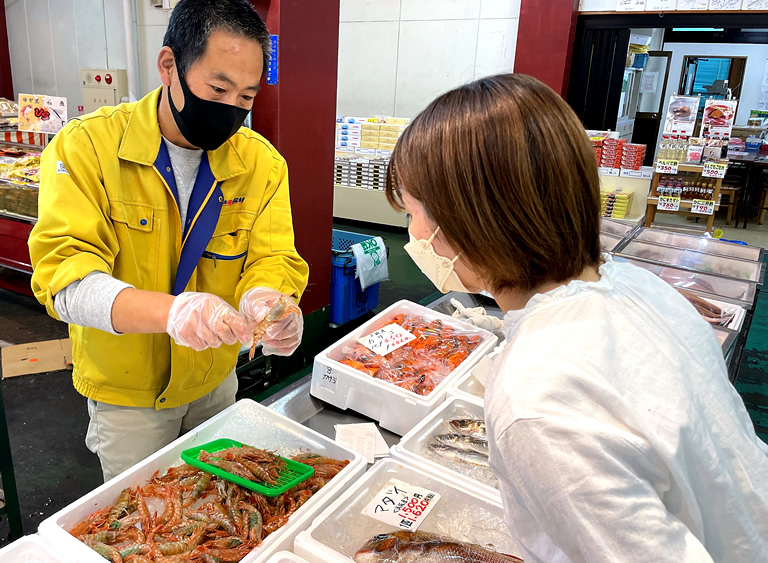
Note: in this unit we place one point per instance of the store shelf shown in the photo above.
(684, 204)
(371, 206)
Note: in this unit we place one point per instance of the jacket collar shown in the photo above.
(141, 141)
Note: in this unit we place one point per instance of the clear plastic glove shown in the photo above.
(202, 320)
(274, 319)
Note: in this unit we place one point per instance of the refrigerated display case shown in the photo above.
(609, 242)
(701, 244)
(696, 261)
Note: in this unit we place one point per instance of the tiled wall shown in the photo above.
(395, 56)
(51, 40)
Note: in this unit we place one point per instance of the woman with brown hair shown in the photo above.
(613, 429)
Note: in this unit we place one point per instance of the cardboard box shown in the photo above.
(369, 145)
(390, 134)
(398, 120)
(392, 127)
(37, 357)
(370, 126)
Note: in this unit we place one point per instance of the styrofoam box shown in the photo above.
(469, 386)
(413, 447)
(286, 557)
(246, 421)
(30, 549)
(462, 512)
(396, 409)
(738, 313)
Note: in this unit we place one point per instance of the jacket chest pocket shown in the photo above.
(137, 230)
(221, 265)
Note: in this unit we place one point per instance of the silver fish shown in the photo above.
(423, 547)
(464, 443)
(462, 456)
(472, 427)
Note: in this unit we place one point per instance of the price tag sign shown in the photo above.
(329, 378)
(387, 339)
(714, 170)
(402, 505)
(703, 206)
(667, 166)
(667, 203)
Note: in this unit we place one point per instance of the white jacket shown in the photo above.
(615, 433)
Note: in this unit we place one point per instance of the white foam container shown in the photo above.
(469, 386)
(30, 549)
(411, 448)
(246, 421)
(738, 313)
(396, 409)
(462, 512)
(286, 557)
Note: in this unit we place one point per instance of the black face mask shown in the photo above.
(203, 123)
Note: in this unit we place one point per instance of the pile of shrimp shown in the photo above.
(420, 365)
(205, 519)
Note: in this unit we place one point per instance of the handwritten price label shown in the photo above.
(714, 170)
(703, 206)
(387, 339)
(329, 378)
(667, 203)
(667, 166)
(402, 505)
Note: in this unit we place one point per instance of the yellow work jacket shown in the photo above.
(108, 203)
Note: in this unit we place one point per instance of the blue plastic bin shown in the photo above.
(348, 301)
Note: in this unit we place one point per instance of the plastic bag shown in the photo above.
(710, 312)
(371, 258)
(420, 365)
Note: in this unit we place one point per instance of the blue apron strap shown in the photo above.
(163, 165)
(202, 217)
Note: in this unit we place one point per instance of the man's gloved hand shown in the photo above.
(202, 320)
(274, 319)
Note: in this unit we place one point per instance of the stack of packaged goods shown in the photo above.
(615, 203)
(632, 156)
(597, 138)
(612, 152)
(365, 173)
(20, 175)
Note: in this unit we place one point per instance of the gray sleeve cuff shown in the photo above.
(88, 302)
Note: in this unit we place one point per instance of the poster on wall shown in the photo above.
(630, 5)
(692, 4)
(718, 118)
(681, 115)
(725, 4)
(649, 82)
(763, 102)
(661, 5)
(42, 114)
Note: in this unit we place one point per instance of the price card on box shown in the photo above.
(329, 378)
(387, 339)
(667, 166)
(667, 203)
(703, 206)
(714, 170)
(401, 504)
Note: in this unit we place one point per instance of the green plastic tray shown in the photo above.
(292, 475)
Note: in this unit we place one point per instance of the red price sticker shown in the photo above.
(714, 170)
(703, 206)
(667, 166)
(387, 339)
(667, 203)
(402, 505)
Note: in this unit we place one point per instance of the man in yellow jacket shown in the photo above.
(165, 238)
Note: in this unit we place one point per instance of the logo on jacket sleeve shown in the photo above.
(60, 168)
(233, 201)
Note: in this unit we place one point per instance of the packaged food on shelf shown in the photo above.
(162, 474)
(616, 203)
(32, 549)
(698, 261)
(462, 517)
(452, 439)
(398, 386)
(702, 244)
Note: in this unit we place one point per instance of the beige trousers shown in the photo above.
(123, 436)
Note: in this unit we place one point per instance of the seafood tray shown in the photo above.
(616, 228)
(735, 312)
(696, 261)
(395, 408)
(708, 285)
(245, 421)
(415, 448)
(286, 557)
(609, 242)
(463, 513)
(701, 244)
(30, 549)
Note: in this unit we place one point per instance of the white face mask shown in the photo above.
(438, 269)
